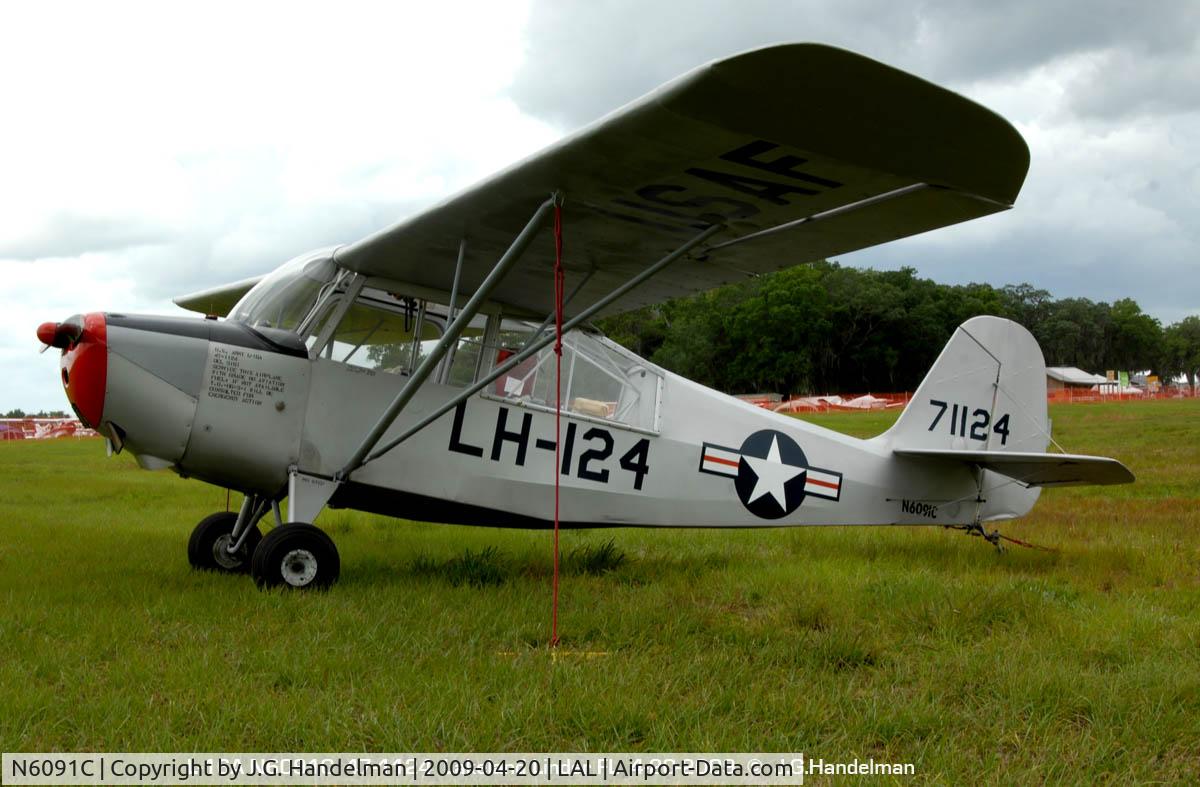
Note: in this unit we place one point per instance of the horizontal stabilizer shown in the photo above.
(1035, 469)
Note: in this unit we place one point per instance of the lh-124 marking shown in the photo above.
(595, 447)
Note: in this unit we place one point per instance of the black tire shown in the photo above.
(206, 547)
(298, 556)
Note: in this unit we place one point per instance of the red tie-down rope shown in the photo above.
(558, 332)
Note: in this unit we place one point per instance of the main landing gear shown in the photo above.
(294, 555)
(208, 548)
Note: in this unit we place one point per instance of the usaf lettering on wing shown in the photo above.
(681, 208)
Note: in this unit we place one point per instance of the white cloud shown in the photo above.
(152, 149)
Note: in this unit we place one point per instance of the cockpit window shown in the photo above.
(285, 297)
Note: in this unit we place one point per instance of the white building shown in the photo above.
(1060, 377)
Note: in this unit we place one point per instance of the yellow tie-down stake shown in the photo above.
(557, 653)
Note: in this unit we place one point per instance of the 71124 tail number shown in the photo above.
(980, 420)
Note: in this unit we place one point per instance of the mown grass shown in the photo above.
(910, 644)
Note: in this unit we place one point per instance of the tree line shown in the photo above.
(822, 328)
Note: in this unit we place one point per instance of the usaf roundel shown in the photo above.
(770, 473)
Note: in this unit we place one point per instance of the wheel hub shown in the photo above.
(299, 567)
(226, 559)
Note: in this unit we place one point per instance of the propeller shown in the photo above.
(60, 334)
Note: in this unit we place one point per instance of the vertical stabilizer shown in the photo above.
(985, 392)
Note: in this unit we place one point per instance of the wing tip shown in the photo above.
(826, 81)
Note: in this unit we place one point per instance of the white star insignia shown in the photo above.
(772, 475)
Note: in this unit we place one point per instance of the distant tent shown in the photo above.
(1060, 377)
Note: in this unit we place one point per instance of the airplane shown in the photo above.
(415, 373)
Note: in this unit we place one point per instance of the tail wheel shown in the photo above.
(296, 555)
(208, 548)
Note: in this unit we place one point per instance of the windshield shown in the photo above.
(285, 297)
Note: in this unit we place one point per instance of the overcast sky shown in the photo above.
(151, 150)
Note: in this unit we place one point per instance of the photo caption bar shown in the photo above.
(434, 768)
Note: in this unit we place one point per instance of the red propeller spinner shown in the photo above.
(84, 342)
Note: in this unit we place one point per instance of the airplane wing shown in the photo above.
(218, 301)
(753, 142)
(1036, 469)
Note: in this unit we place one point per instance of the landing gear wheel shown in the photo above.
(208, 548)
(296, 555)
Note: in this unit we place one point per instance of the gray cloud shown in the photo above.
(982, 40)
(1130, 83)
(1104, 91)
(585, 59)
(1069, 263)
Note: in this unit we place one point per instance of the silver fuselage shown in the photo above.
(244, 417)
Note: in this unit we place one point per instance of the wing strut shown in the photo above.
(462, 253)
(546, 339)
(461, 321)
(828, 214)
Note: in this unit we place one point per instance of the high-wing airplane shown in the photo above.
(414, 373)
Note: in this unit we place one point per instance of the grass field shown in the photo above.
(907, 644)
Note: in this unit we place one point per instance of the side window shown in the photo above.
(526, 379)
(598, 381)
(373, 336)
(486, 338)
(466, 357)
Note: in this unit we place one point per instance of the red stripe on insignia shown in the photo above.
(721, 461)
(821, 483)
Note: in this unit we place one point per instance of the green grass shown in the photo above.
(910, 644)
